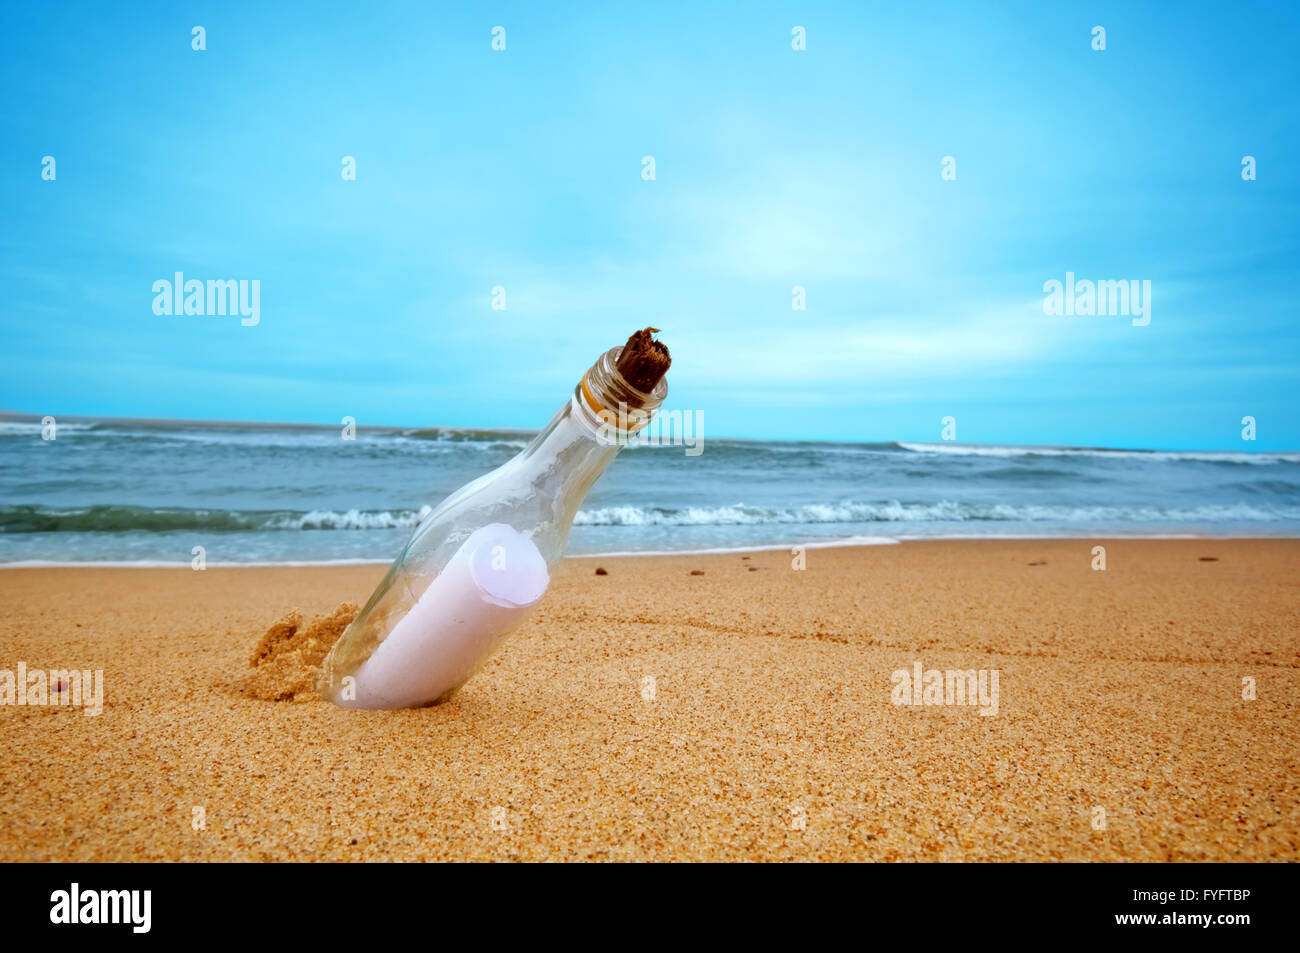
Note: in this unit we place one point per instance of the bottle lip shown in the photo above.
(606, 394)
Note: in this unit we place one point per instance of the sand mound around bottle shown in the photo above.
(286, 661)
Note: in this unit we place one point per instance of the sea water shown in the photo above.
(123, 492)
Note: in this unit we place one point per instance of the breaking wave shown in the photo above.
(946, 511)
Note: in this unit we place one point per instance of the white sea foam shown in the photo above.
(347, 519)
(24, 428)
(1154, 456)
(738, 514)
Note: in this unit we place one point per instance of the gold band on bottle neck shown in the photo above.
(587, 395)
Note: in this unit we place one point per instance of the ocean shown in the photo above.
(149, 492)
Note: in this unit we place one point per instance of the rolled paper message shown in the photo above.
(486, 589)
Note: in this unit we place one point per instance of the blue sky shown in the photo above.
(774, 168)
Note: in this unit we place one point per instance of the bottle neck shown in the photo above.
(565, 459)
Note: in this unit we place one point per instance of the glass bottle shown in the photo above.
(476, 565)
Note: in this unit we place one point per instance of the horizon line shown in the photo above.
(11, 416)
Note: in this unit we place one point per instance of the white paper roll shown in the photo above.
(484, 591)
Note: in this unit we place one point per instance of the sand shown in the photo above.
(287, 660)
(767, 733)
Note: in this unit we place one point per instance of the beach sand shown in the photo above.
(771, 733)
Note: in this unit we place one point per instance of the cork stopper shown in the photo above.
(644, 361)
